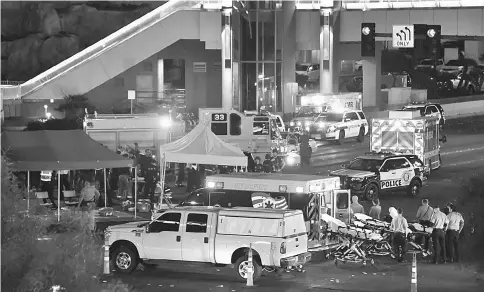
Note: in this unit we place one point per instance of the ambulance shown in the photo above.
(407, 132)
(256, 134)
(312, 105)
(148, 130)
(314, 195)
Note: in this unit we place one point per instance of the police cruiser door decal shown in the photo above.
(393, 183)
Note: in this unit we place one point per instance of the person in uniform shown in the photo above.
(424, 213)
(267, 164)
(375, 210)
(399, 227)
(305, 150)
(454, 228)
(191, 178)
(355, 206)
(440, 222)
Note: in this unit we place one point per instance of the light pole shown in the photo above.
(45, 109)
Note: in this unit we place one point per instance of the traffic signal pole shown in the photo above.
(326, 46)
(371, 59)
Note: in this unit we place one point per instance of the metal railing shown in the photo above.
(109, 42)
(11, 83)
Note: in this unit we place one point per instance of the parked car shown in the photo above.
(427, 64)
(466, 67)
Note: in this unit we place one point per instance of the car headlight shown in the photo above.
(307, 128)
(331, 129)
(299, 123)
(290, 160)
(357, 179)
(291, 124)
(321, 125)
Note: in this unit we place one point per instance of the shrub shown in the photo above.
(70, 257)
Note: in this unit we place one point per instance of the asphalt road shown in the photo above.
(462, 156)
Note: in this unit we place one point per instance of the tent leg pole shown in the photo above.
(135, 190)
(28, 192)
(58, 196)
(105, 190)
(162, 180)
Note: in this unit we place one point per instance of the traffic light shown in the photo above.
(433, 36)
(368, 40)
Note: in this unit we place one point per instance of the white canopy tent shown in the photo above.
(202, 146)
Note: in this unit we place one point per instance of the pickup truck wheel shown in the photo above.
(240, 268)
(124, 260)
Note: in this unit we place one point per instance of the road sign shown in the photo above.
(131, 94)
(403, 36)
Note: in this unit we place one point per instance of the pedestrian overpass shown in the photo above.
(320, 25)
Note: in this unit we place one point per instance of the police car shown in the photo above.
(337, 126)
(427, 109)
(376, 173)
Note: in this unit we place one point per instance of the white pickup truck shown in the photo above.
(213, 235)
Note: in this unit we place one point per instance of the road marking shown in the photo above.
(463, 150)
(464, 162)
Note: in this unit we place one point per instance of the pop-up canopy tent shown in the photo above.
(202, 146)
(58, 150)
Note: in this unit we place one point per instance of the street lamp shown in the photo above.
(48, 115)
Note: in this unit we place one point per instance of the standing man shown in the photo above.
(440, 222)
(456, 223)
(399, 227)
(424, 214)
(355, 206)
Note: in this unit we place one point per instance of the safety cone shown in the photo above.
(106, 261)
(250, 269)
(413, 281)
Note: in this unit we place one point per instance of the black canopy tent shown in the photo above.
(58, 150)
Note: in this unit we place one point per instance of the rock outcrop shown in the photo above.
(38, 35)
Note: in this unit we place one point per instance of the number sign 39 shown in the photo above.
(219, 117)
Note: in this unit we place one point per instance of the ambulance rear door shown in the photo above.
(393, 135)
(341, 205)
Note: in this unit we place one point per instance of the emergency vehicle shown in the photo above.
(340, 125)
(314, 195)
(374, 173)
(148, 130)
(312, 105)
(256, 134)
(276, 118)
(407, 132)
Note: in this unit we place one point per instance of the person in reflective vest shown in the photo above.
(47, 185)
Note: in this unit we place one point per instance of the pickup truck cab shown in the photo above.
(222, 236)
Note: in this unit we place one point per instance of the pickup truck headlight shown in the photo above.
(291, 124)
(331, 129)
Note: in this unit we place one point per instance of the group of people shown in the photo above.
(446, 226)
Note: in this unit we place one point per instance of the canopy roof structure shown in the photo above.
(202, 146)
(57, 150)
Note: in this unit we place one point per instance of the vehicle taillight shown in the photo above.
(283, 248)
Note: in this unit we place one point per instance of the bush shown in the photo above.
(70, 257)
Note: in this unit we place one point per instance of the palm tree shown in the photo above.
(74, 106)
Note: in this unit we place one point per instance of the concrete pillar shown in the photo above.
(474, 49)
(160, 78)
(326, 48)
(227, 68)
(372, 79)
(289, 57)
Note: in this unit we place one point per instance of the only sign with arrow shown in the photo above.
(403, 36)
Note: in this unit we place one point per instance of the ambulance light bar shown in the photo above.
(282, 188)
(299, 189)
(216, 185)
